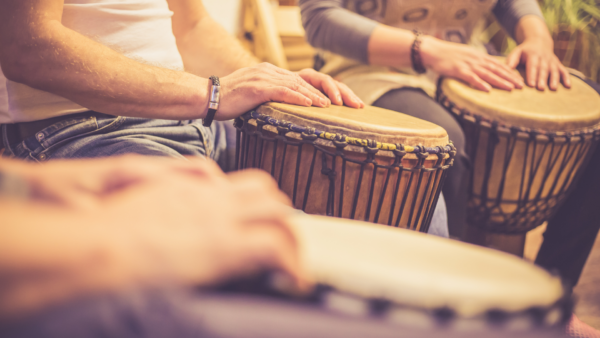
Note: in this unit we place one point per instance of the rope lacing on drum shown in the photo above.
(340, 141)
(451, 106)
(349, 140)
(562, 150)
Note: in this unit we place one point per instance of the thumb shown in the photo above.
(514, 58)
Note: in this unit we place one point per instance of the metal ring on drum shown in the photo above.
(527, 147)
(367, 164)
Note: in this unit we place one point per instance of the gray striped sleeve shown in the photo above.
(509, 12)
(331, 27)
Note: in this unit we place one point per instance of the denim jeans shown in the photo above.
(86, 137)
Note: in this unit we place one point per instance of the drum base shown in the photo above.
(511, 243)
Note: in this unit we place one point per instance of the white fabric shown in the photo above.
(139, 29)
(439, 221)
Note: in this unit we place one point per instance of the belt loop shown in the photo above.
(205, 139)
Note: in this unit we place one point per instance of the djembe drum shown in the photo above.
(526, 147)
(425, 285)
(368, 164)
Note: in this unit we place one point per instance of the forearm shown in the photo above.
(208, 49)
(532, 27)
(332, 27)
(48, 255)
(510, 12)
(390, 46)
(53, 58)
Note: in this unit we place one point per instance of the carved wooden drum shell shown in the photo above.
(368, 164)
(526, 147)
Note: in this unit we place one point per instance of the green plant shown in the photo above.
(575, 26)
(577, 17)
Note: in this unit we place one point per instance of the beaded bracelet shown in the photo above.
(415, 54)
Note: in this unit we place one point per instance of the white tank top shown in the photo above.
(139, 29)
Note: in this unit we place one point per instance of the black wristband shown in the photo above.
(415, 54)
(213, 103)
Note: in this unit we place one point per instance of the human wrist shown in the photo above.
(201, 97)
(415, 54)
(389, 46)
(532, 28)
(213, 100)
(430, 47)
(544, 40)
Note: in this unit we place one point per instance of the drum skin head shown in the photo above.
(561, 110)
(418, 270)
(368, 123)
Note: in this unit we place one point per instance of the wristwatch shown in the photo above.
(213, 103)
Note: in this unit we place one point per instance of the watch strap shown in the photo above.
(213, 103)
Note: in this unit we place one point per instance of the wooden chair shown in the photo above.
(275, 34)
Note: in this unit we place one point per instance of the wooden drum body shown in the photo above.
(526, 149)
(368, 164)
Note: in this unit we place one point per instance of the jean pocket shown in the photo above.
(65, 130)
(38, 146)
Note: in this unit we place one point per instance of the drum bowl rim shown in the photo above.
(364, 144)
(463, 113)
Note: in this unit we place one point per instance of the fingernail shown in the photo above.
(338, 98)
(308, 102)
(323, 102)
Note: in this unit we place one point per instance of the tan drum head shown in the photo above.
(373, 123)
(419, 270)
(561, 110)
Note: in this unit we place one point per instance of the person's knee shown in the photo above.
(410, 101)
(415, 102)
